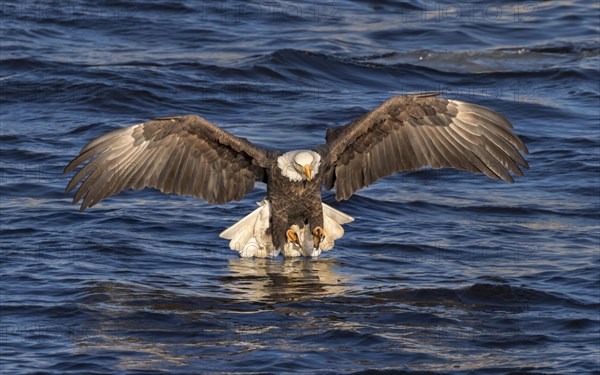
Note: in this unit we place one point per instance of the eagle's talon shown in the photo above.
(318, 236)
(292, 236)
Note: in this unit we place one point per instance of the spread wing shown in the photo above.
(407, 133)
(186, 155)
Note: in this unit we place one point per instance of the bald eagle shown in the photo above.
(190, 156)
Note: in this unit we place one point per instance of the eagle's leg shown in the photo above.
(318, 236)
(292, 236)
(316, 221)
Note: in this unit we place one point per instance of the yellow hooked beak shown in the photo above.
(307, 171)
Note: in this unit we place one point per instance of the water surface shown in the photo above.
(442, 271)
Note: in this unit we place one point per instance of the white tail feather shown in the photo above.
(250, 236)
(332, 224)
(336, 215)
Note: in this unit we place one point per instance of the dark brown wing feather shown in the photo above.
(407, 133)
(186, 155)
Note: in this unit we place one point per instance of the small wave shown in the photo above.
(481, 294)
(26, 64)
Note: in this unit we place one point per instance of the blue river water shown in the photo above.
(442, 272)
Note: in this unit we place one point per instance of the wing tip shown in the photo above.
(425, 94)
(70, 187)
(72, 165)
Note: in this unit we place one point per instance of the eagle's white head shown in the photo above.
(299, 165)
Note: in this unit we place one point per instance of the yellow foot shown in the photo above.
(292, 236)
(318, 236)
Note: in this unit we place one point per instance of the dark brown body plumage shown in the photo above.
(293, 203)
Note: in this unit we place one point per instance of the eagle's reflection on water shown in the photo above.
(153, 326)
(290, 279)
